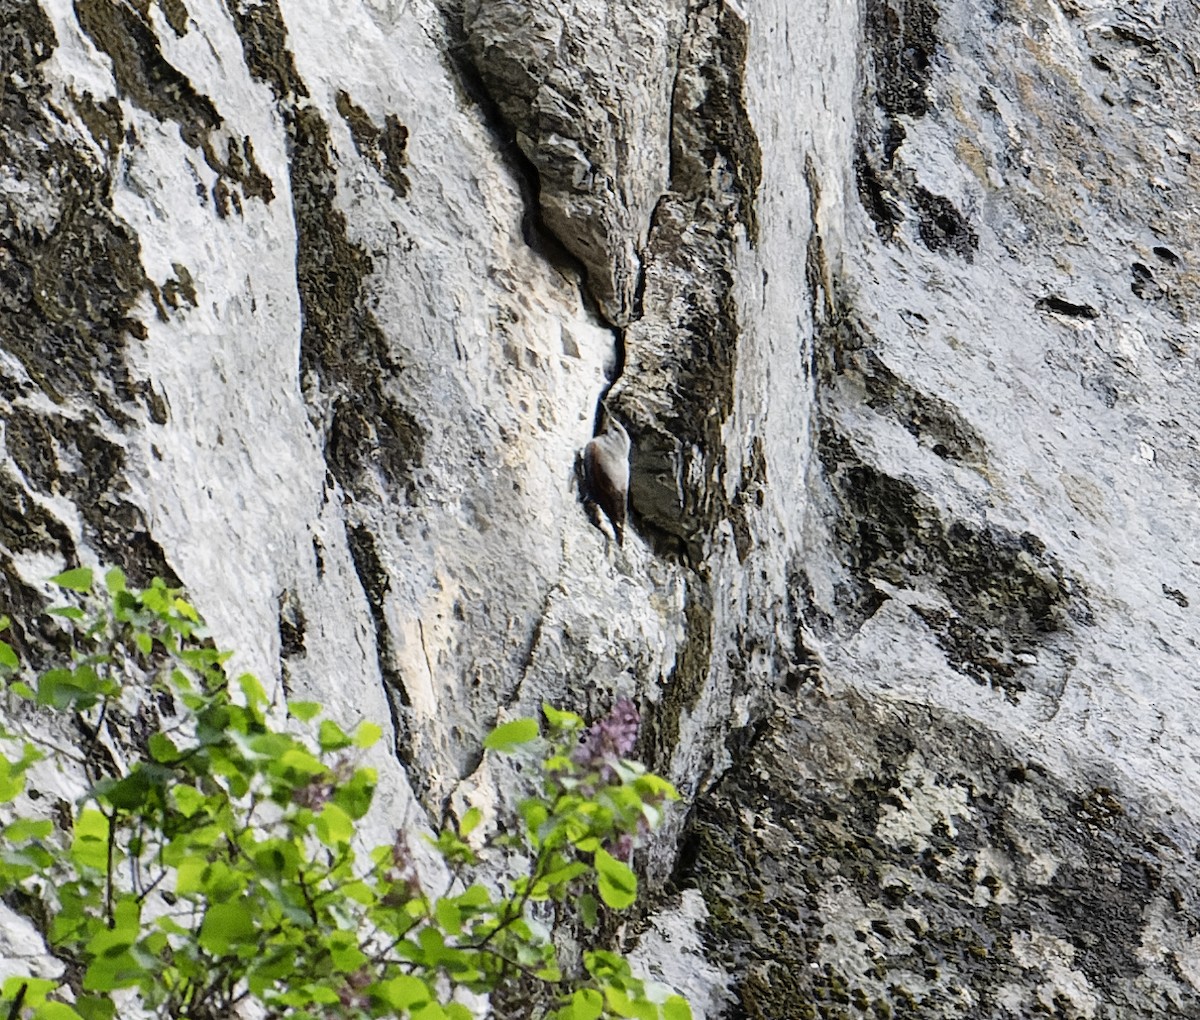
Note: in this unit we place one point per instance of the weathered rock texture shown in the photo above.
(310, 306)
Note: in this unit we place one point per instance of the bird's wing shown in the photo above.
(606, 490)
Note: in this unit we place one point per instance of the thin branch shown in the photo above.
(518, 911)
(152, 886)
(15, 1011)
(108, 876)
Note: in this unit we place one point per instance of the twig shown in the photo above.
(108, 876)
(15, 1010)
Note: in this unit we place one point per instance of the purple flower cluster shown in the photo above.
(606, 742)
(622, 847)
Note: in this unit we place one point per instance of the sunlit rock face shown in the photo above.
(310, 307)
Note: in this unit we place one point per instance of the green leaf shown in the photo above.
(79, 579)
(512, 734)
(360, 892)
(220, 883)
(109, 943)
(367, 734)
(106, 974)
(586, 1004)
(188, 799)
(94, 1007)
(589, 911)
(534, 813)
(561, 720)
(189, 875)
(161, 748)
(12, 781)
(137, 791)
(66, 612)
(8, 658)
(252, 688)
(623, 1004)
(332, 737)
(615, 880)
(470, 821)
(356, 795)
(557, 878)
(651, 787)
(126, 605)
(676, 1008)
(185, 609)
(449, 916)
(57, 689)
(89, 848)
(602, 964)
(27, 828)
(36, 989)
(299, 760)
(224, 925)
(303, 710)
(433, 944)
(344, 952)
(334, 826)
(114, 581)
(279, 858)
(475, 896)
(404, 992)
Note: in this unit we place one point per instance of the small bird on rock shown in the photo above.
(606, 475)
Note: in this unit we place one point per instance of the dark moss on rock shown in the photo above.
(936, 424)
(373, 576)
(25, 527)
(688, 270)
(141, 71)
(293, 625)
(688, 680)
(901, 46)
(176, 14)
(881, 859)
(748, 498)
(43, 445)
(383, 147)
(941, 227)
(718, 132)
(263, 32)
(239, 175)
(180, 290)
(345, 359)
(876, 197)
(372, 444)
(1005, 594)
(70, 271)
(66, 293)
(902, 41)
(104, 121)
(70, 276)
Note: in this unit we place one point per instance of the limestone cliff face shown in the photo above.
(309, 306)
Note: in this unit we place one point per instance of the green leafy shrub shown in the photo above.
(216, 859)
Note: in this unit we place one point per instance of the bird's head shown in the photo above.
(615, 428)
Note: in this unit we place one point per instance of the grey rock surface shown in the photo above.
(311, 307)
